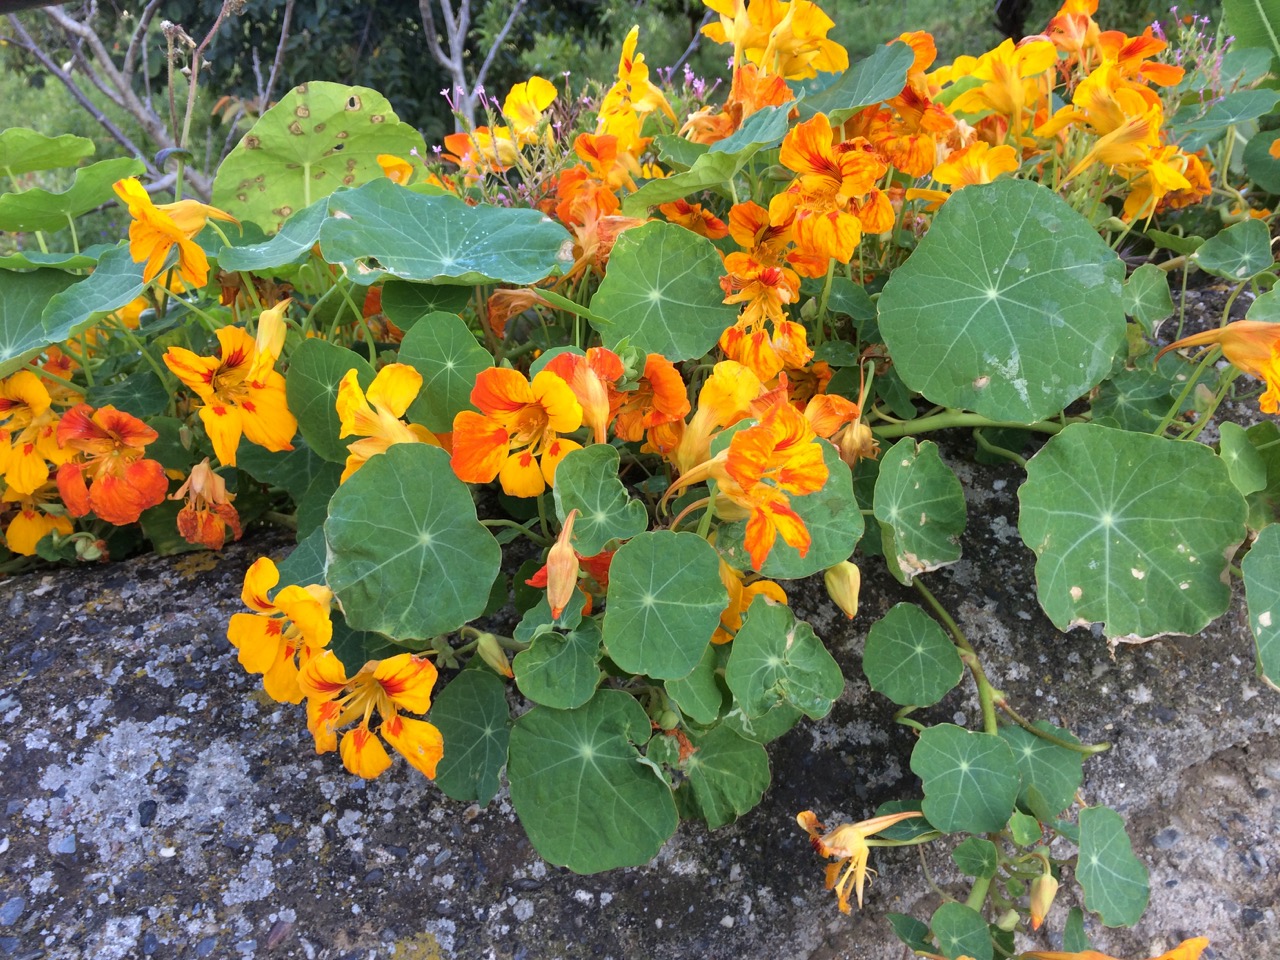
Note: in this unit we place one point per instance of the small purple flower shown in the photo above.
(1157, 30)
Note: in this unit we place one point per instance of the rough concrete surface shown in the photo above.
(156, 804)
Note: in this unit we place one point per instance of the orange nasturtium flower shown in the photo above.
(592, 379)
(208, 514)
(396, 169)
(1252, 346)
(660, 397)
(375, 417)
(272, 640)
(240, 390)
(109, 444)
(28, 433)
(741, 594)
(33, 520)
(848, 843)
(515, 437)
(334, 700)
(1186, 950)
(158, 228)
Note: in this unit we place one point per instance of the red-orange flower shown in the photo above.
(120, 483)
(208, 514)
(1252, 346)
(515, 437)
(592, 379)
(660, 397)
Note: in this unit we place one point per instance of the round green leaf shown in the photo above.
(1262, 593)
(584, 796)
(382, 228)
(442, 348)
(699, 695)
(961, 932)
(1137, 398)
(665, 600)
(662, 293)
(777, 659)
(870, 80)
(23, 297)
(23, 151)
(1010, 306)
(1051, 774)
(38, 209)
(910, 931)
(114, 282)
(560, 670)
(833, 527)
(311, 387)
(1241, 251)
(1024, 829)
(1245, 464)
(976, 858)
(1115, 882)
(1146, 296)
(141, 393)
(472, 716)
(319, 137)
(727, 775)
(407, 556)
(405, 303)
(920, 506)
(1262, 167)
(292, 244)
(909, 658)
(587, 481)
(1265, 308)
(970, 779)
(763, 729)
(1131, 530)
(1193, 127)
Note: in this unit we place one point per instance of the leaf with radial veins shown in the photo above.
(443, 349)
(23, 151)
(1011, 305)
(777, 660)
(1116, 884)
(662, 293)
(909, 659)
(407, 556)
(319, 137)
(587, 481)
(1130, 530)
(583, 794)
(970, 779)
(473, 717)
(382, 229)
(920, 506)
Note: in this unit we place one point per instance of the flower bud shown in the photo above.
(491, 652)
(668, 719)
(856, 442)
(271, 330)
(843, 583)
(1008, 921)
(1043, 890)
(562, 568)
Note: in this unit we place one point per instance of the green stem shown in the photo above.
(704, 524)
(992, 449)
(286, 520)
(1169, 417)
(822, 302)
(978, 895)
(40, 372)
(958, 418)
(1218, 397)
(986, 692)
(364, 324)
(75, 237)
(1088, 749)
(518, 526)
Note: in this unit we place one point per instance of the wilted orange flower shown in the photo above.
(292, 628)
(515, 437)
(120, 483)
(593, 379)
(848, 843)
(659, 397)
(504, 304)
(34, 519)
(592, 577)
(334, 700)
(1186, 950)
(208, 514)
(157, 229)
(375, 417)
(240, 390)
(1252, 346)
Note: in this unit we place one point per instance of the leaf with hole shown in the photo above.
(382, 229)
(407, 556)
(583, 794)
(662, 293)
(475, 722)
(776, 659)
(665, 600)
(1130, 530)
(920, 505)
(587, 481)
(727, 775)
(321, 136)
(38, 209)
(1262, 594)
(970, 779)
(909, 658)
(1011, 306)
(1115, 882)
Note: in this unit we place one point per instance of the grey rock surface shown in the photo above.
(156, 804)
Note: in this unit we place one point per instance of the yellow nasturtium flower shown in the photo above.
(375, 416)
(524, 106)
(158, 228)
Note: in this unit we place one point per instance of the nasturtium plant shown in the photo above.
(565, 411)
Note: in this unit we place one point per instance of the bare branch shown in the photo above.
(694, 43)
(138, 42)
(285, 21)
(30, 45)
(497, 43)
